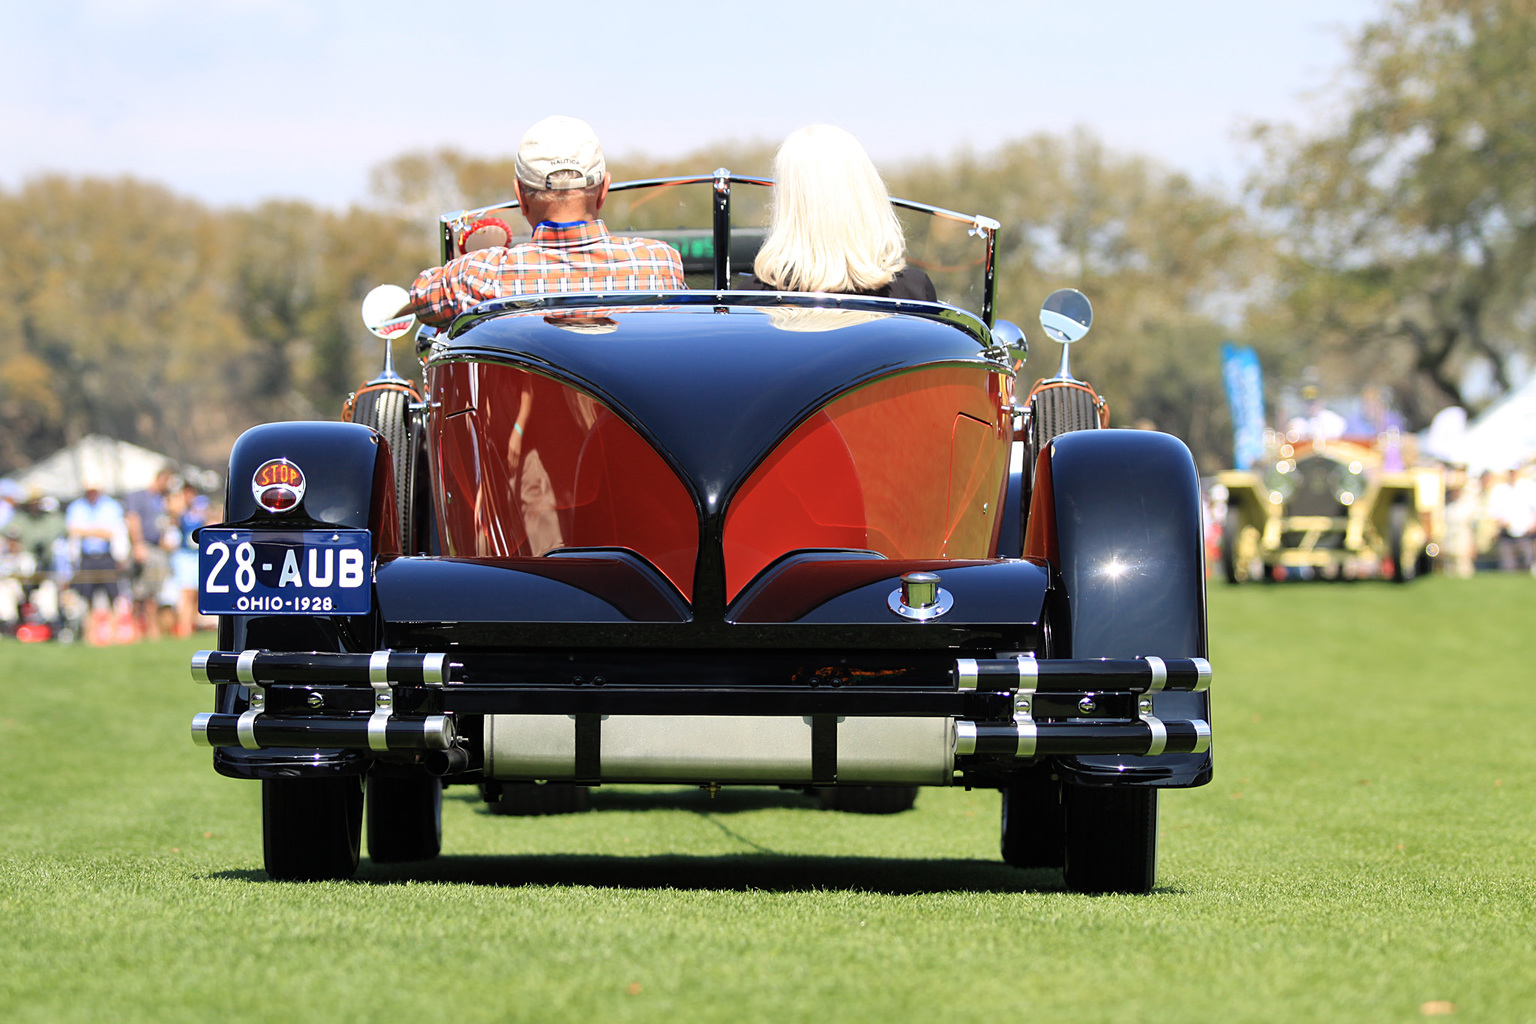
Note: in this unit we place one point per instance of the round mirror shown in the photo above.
(1008, 335)
(383, 311)
(1066, 315)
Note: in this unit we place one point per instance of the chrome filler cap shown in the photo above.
(920, 597)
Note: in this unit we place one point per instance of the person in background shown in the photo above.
(149, 562)
(1512, 508)
(189, 510)
(16, 566)
(833, 228)
(39, 526)
(10, 496)
(97, 529)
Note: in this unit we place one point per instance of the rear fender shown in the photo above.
(349, 479)
(349, 482)
(1118, 513)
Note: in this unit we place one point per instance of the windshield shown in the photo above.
(690, 214)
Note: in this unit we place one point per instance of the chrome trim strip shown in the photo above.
(245, 667)
(432, 669)
(1202, 736)
(1029, 737)
(246, 727)
(1029, 671)
(200, 666)
(965, 738)
(200, 728)
(1203, 668)
(378, 667)
(1159, 673)
(966, 673)
(1159, 735)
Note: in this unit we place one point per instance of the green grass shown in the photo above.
(1368, 846)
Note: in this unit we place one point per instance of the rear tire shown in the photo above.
(388, 410)
(1034, 835)
(867, 799)
(311, 828)
(1111, 838)
(405, 819)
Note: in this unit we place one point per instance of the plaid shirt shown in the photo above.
(577, 257)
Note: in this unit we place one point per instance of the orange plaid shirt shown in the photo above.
(575, 257)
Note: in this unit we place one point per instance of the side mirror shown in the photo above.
(383, 317)
(1066, 315)
(382, 311)
(1009, 336)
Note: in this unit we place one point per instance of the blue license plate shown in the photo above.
(284, 572)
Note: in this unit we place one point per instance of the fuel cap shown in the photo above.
(920, 597)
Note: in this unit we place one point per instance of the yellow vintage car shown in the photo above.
(1330, 508)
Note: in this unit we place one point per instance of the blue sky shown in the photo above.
(234, 101)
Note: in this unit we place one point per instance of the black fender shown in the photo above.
(1124, 532)
(348, 474)
(349, 482)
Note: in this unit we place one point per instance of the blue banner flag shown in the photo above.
(1245, 397)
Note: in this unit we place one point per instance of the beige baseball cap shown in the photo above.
(560, 143)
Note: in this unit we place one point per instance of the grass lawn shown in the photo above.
(1366, 853)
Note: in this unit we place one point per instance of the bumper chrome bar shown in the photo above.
(267, 667)
(1137, 675)
(432, 732)
(1032, 738)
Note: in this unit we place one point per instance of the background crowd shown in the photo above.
(98, 567)
(1490, 521)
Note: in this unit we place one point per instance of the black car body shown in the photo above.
(801, 540)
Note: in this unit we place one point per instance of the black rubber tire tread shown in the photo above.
(311, 828)
(1111, 838)
(1397, 525)
(521, 799)
(1033, 831)
(388, 410)
(404, 819)
(1231, 531)
(867, 799)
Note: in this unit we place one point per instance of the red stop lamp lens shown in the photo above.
(278, 499)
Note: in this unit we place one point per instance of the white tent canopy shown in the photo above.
(116, 466)
(1503, 437)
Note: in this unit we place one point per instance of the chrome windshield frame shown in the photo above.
(721, 180)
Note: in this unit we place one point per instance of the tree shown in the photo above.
(118, 322)
(1412, 221)
(1171, 268)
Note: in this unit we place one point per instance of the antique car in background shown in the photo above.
(1335, 508)
(746, 538)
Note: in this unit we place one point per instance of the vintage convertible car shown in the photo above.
(741, 538)
(1337, 508)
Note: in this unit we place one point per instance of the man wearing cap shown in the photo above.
(561, 184)
(95, 524)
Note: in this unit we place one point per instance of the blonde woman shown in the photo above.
(833, 228)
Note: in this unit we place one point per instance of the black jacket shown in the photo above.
(909, 283)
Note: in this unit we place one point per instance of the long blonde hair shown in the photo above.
(832, 228)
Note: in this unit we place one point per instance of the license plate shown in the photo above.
(288, 572)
